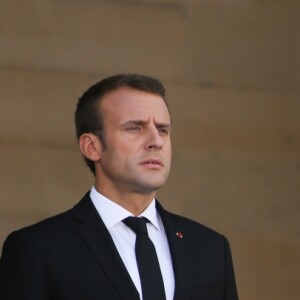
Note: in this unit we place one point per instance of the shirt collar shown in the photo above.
(112, 213)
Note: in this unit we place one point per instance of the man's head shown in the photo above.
(88, 115)
(111, 112)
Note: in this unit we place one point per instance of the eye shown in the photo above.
(134, 128)
(163, 130)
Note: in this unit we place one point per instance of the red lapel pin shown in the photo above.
(179, 234)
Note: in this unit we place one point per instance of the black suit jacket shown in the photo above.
(72, 256)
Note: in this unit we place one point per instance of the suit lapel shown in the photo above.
(94, 233)
(180, 253)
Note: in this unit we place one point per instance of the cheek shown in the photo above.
(168, 149)
(169, 156)
(119, 154)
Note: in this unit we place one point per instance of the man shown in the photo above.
(91, 252)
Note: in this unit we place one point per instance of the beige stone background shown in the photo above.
(232, 70)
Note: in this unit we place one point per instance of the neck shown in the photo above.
(134, 202)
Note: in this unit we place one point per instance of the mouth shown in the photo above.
(152, 163)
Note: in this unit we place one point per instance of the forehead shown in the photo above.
(128, 103)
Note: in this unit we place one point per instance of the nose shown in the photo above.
(153, 140)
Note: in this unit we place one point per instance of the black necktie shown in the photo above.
(147, 261)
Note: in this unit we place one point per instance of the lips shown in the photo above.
(152, 162)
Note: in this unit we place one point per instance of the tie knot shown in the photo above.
(138, 225)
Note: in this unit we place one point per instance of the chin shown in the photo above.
(152, 187)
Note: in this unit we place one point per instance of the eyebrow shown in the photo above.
(142, 123)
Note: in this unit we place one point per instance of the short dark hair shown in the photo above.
(88, 116)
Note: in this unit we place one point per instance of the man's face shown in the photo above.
(137, 132)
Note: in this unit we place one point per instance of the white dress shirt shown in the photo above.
(112, 215)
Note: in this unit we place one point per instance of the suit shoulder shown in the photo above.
(194, 227)
(44, 234)
(52, 226)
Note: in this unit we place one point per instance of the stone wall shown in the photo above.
(232, 73)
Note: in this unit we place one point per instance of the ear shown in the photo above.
(90, 146)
